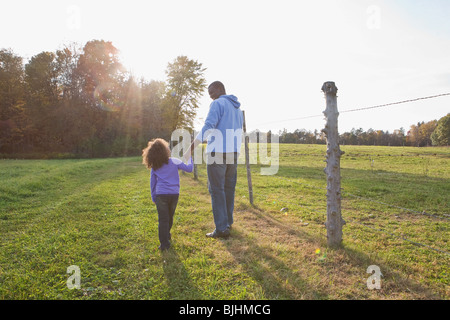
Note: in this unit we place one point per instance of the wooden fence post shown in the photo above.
(334, 221)
(193, 159)
(247, 161)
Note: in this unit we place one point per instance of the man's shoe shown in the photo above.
(217, 234)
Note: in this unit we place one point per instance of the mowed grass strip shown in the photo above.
(102, 220)
(97, 214)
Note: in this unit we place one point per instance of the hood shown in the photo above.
(233, 99)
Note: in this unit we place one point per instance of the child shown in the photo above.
(164, 184)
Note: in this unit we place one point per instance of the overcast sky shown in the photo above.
(273, 55)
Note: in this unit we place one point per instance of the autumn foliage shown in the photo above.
(82, 102)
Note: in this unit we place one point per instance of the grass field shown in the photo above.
(97, 214)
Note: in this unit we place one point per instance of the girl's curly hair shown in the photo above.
(156, 154)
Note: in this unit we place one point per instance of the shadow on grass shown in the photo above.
(179, 282)
(393, 283)
(265, 266)
(279, 280)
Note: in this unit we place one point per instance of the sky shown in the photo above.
(273, 55)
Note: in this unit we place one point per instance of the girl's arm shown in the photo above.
(153, 185)
(185, 167)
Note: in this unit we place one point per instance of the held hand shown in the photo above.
(190, 151)
(187, 155)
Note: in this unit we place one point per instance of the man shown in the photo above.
(223, 131)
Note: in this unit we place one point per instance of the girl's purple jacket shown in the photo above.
(166, 179)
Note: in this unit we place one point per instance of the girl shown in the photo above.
(164, 184)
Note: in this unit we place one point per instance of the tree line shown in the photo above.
(432, 133)
(82, 102)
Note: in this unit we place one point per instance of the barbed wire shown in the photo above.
(291, 119)
(360, 109)
(423, 212)
(395, 103)
(349, 220)
(364, 155)
(343, 192)
(397, 236)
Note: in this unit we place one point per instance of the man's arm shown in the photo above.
(211, 122)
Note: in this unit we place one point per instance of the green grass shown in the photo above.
(97, 214)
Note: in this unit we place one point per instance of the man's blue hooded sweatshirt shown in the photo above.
(223, 125)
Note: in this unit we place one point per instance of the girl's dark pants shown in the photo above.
(166, 205)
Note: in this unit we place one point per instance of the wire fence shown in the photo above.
(358, 109)
(347, 195)
(296, 203)
(349, 220)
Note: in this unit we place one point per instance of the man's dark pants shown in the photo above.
(222, 177)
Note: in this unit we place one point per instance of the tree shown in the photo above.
(70, 113)
(11, 84)
(419, 135)
(152, 94)
(412, 137)
(425, 132)
(67, 61)
(12, 119)
(101, 77)
(80, 100)
(184, 87)
(42, 95)
(397, 137)
(41, 75)
(441, 135)
(100, 73)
